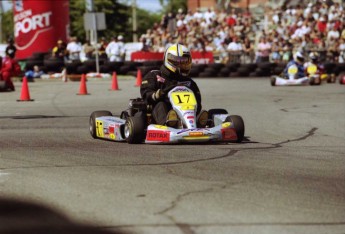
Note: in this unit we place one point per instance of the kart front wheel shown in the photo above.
(134, 130)
(238, 123)
(94, 115)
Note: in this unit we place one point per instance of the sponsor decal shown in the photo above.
(160, 126)
(191, 121)
(181, 89)
(188, 113)
(160, 79)
(229, 134)
(193, 130)
(99, 128)
(226, 125)
(31, 23)
(156, 135)
(196, 134)
(190, 117)
(185, 83)
(111, 129)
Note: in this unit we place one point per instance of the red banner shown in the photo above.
(198, 57)
(39, 24)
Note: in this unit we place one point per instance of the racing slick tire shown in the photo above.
(238, 124)
(314, 81)
(134, 130)
(3, 85)
(93, 117)
(273, 81)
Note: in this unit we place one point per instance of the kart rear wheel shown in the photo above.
(92, 122)
(238, 124)
(273, 81)
(2, 85)
(134, 131)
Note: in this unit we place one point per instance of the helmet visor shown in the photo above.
(183, 63)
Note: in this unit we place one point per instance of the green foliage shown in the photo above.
(118, 19)
(145, 20)
(7, 26)
(173, 5)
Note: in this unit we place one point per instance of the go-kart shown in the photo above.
(318, 73)
(136, 126)
(312, 78)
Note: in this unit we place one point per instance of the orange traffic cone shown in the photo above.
(25, 95)
(139, 78)
(83, 89)
(114, 84)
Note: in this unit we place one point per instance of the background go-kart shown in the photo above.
(287, 176)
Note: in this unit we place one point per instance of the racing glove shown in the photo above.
(168, 88)
(157, 95)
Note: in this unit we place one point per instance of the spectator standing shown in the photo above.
(198, 15)
(235, 50)
(263, 50)
(333, 33)
(115, 49)
(231, 20)
(145, 47)
(248, 50)
(322, 24)
(101, 48)
(341, 49)
(209, 16)
(11, 48)
(275, 55)
(60, 51)
(164, 21)
(87, 51)
(122, 49)
(74, 48)
(171, 23)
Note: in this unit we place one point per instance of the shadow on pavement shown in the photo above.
(25, 217)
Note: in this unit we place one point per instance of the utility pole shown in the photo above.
(134, 17)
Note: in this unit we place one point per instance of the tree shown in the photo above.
(146, 20)
(173, 5)
(116, 16)
(7, 25)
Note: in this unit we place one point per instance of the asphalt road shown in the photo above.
(288, 176)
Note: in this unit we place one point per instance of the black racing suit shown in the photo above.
(165, 80)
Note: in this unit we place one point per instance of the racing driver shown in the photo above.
(177, 63)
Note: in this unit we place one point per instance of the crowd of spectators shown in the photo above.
(235, 36)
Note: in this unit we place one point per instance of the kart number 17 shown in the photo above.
(183, 98)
